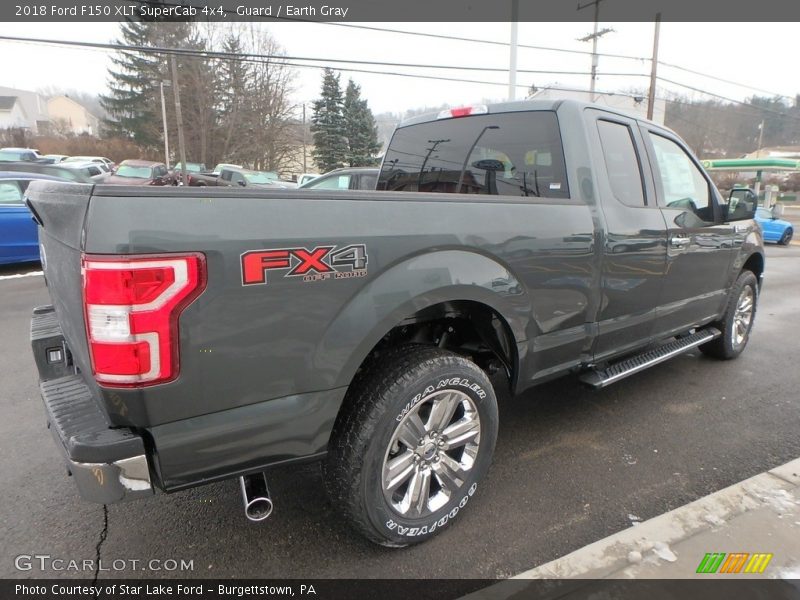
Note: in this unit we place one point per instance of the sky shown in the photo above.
(760, 55)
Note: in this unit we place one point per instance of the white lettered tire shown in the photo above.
(412, 443)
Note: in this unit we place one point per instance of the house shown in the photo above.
(11, 113)
(27, 110)
(67, 115)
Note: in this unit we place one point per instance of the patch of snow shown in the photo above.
(714, 519)
(18, 275)
(663, 551)
(634, 556)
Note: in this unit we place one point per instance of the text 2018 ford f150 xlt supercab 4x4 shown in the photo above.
(197, 335)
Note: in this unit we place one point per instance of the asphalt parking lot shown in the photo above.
(571, 467)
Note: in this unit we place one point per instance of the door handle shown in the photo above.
(677, 241)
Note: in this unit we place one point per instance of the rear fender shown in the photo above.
(410, 286)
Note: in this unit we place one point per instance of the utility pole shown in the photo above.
(512, 59)
(651, 99)
(305, 170)
(164, 119)
(757, 187)
(594, 36)
(179, 117)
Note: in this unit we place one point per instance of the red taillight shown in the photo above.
(132, 307)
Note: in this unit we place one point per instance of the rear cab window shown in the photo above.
(507, 154)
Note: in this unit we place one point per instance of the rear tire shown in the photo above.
(786, 237)
(737, 321)
(411, 444)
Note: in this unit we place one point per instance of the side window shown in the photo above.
(336, 182)
(622, 162)
(10, 193)
(367, 182)
(681, 183)
(226, 175)
(94, 171)
(507, 154)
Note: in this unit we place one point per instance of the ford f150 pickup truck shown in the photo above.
(197, 335)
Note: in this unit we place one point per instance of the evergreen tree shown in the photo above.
(327, 125)
(360, 129)
(233, 103)
(131, 102)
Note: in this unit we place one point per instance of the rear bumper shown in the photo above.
(108, 465)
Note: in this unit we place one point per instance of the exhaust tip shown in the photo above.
(258, 509)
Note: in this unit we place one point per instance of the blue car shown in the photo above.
(775, 230)
(19, 239)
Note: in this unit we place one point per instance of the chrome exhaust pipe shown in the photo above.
(255, 494)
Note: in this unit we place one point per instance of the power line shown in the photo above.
(213, 54)
(727, 99)
(728, 81)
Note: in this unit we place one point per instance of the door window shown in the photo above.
(681, 182)
(622, 162)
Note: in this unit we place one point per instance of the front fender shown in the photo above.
(412, 285)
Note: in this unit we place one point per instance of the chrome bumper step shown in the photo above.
(600, 378)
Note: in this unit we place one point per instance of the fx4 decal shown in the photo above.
(320, 263)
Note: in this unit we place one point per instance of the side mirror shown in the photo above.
(742, 204)
(777, 211)
(242, 182)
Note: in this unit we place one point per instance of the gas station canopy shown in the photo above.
(751, 164)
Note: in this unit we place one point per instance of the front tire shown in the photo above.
(413, 441)
(786, 237)
(737, 321)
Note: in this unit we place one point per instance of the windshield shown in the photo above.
(134, 172)
(259, 177)
(10, 155)
(192, 167)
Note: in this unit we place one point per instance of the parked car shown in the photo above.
(96, 171)
(19, 238)
(214, 341)
(76, 173)
(774, 228)
(140, 172)
(354, 178)
(191, 168)
(19, 155)
(95, 159)
(249, 178)
(209, 178)
(305, 178)
(54, 158)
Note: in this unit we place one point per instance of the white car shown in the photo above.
(91, 159)
(97, 171)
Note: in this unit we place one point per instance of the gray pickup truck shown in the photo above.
(198, 335)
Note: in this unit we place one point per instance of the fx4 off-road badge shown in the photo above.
(323, 262)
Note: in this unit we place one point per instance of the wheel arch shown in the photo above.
(433, 287)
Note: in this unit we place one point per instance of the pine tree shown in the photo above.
(131, 101)
(327, 125)
(233, 105)
(360, 129)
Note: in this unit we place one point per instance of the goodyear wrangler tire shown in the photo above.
(413, 441)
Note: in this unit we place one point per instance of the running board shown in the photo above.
(600, 378)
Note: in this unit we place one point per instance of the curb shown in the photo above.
(606, 558)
